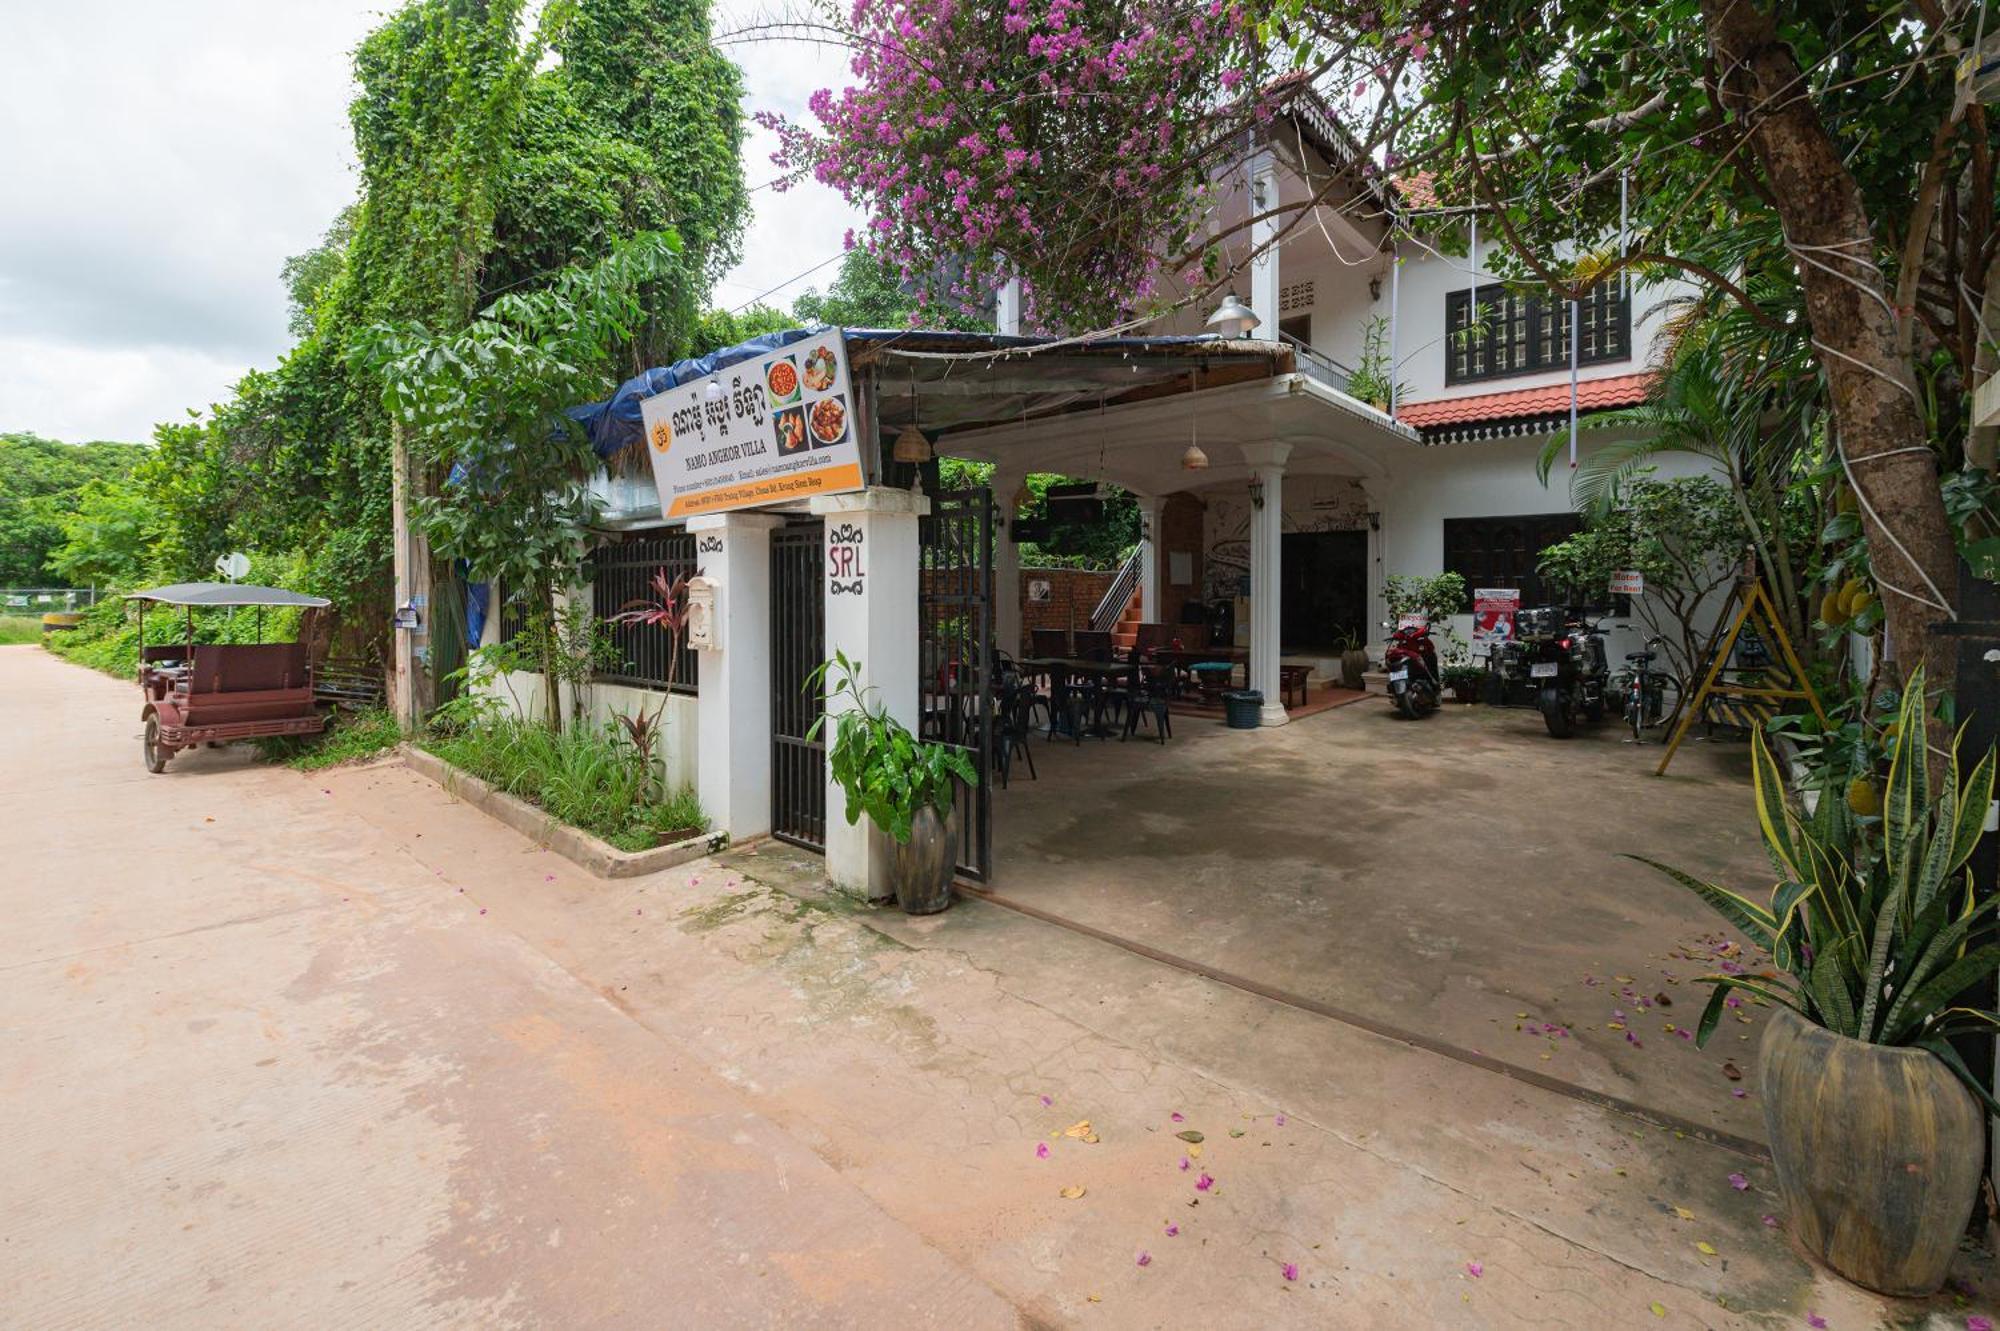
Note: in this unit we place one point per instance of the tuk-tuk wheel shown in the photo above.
(156, 757)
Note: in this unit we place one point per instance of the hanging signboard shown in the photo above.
(1493, 611)
(1628, 582)
(781, 426)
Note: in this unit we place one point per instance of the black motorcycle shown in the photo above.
(1560, 657)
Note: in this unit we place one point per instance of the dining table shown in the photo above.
(1062, 669)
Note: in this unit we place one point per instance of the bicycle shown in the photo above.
(1645, 691)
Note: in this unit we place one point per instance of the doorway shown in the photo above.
(1324, 588)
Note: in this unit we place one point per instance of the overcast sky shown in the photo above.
(160, 161)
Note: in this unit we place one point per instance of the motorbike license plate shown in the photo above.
(1398, 676)
(1545, 669)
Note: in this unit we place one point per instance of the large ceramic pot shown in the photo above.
(1878, 1152)
(923, 865)
(1353, 664)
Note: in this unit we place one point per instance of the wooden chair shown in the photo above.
(1292, 677)
(1092, 645)
(1050, 642)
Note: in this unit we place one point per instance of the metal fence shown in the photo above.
(622, 573)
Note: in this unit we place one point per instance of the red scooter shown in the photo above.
(1412, 664)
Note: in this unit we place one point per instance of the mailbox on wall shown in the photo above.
(701, 634)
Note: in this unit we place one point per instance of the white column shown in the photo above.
(1007, 308)
(733, 710)
(1152, 591)
(1267, 529)
(1264, 267)
(1006, 564)
(871, 615)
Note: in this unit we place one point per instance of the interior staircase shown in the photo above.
(1126, 632)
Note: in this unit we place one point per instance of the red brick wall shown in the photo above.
(1073, 594)
(1180, 529)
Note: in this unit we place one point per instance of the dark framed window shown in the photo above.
(1492, 332)
(1503, 552)
(621, 573)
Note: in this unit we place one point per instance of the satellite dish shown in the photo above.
(233, 565)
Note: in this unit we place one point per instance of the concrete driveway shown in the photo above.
(1460, 881)
(285, 1050)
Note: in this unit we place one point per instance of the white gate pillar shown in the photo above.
(733, 708)
(1152, 591)
(872, 582)
(1006, 564)
(1264, 301)
(1267, 530)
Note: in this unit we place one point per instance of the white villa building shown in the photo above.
(1266, 487)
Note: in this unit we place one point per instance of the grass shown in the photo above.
(349, 737)
(19, 628)
(590, 779)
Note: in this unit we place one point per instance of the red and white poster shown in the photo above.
(1628, 582)
(1493, 611)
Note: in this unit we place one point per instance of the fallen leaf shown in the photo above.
(1078, 1129)
(1683, 1213)
(1659, 1309)
(1705, 1248)
(1072, 1192)
(1663, 1000)
(1190, 1136)
(1194, 1152)
(1731, 1071)
(1236, 1132)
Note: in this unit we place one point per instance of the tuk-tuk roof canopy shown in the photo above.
(225, 593)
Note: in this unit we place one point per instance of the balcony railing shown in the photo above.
(1317, 364)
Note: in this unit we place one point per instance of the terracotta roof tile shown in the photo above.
(1625, 390)
(1419, 189)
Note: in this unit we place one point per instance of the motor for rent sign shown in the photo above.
(774, 428)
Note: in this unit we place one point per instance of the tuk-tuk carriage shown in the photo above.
(217, 693)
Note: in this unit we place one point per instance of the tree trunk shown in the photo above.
(545, 647)
(1875, 407)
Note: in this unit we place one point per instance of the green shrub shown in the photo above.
(18, 629)
(348, 737)
(590, 778)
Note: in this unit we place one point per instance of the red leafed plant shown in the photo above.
(665, 609)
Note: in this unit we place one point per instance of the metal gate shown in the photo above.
(955, 653)
(798, 645)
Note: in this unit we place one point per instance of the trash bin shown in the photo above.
(1245, 708)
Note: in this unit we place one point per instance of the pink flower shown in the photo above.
(1046, 1102)
(1770, 1222)
(1176, 1117)
(1739, 1093)
(1144, 1258)
(1186, 1164)
(1290, 1270)
(548, 878)
(1279, 1120)
(1041, 1150)
(1738, 1182)
(1815, 1321)
(1475, 1269)
(1974, 1322)
(1173, 1230)
(1204, 1183)
(482, 910)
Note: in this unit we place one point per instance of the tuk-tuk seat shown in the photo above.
(230, 684)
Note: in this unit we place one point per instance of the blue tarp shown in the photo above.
(614, 424)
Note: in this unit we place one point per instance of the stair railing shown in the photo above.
(1118, 595)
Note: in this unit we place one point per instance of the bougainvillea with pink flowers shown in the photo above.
(1071, 145)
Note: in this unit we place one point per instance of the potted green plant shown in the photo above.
(1875, 937)
(1353, 660)
(1465, 681)
(905, 785)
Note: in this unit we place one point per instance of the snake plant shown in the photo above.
(1873, 925)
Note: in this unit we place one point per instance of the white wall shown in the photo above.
(1493, 478)
(522, 692)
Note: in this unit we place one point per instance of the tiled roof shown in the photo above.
(1625, 390)
(1418, 189)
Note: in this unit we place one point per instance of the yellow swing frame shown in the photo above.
(1747, 598)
